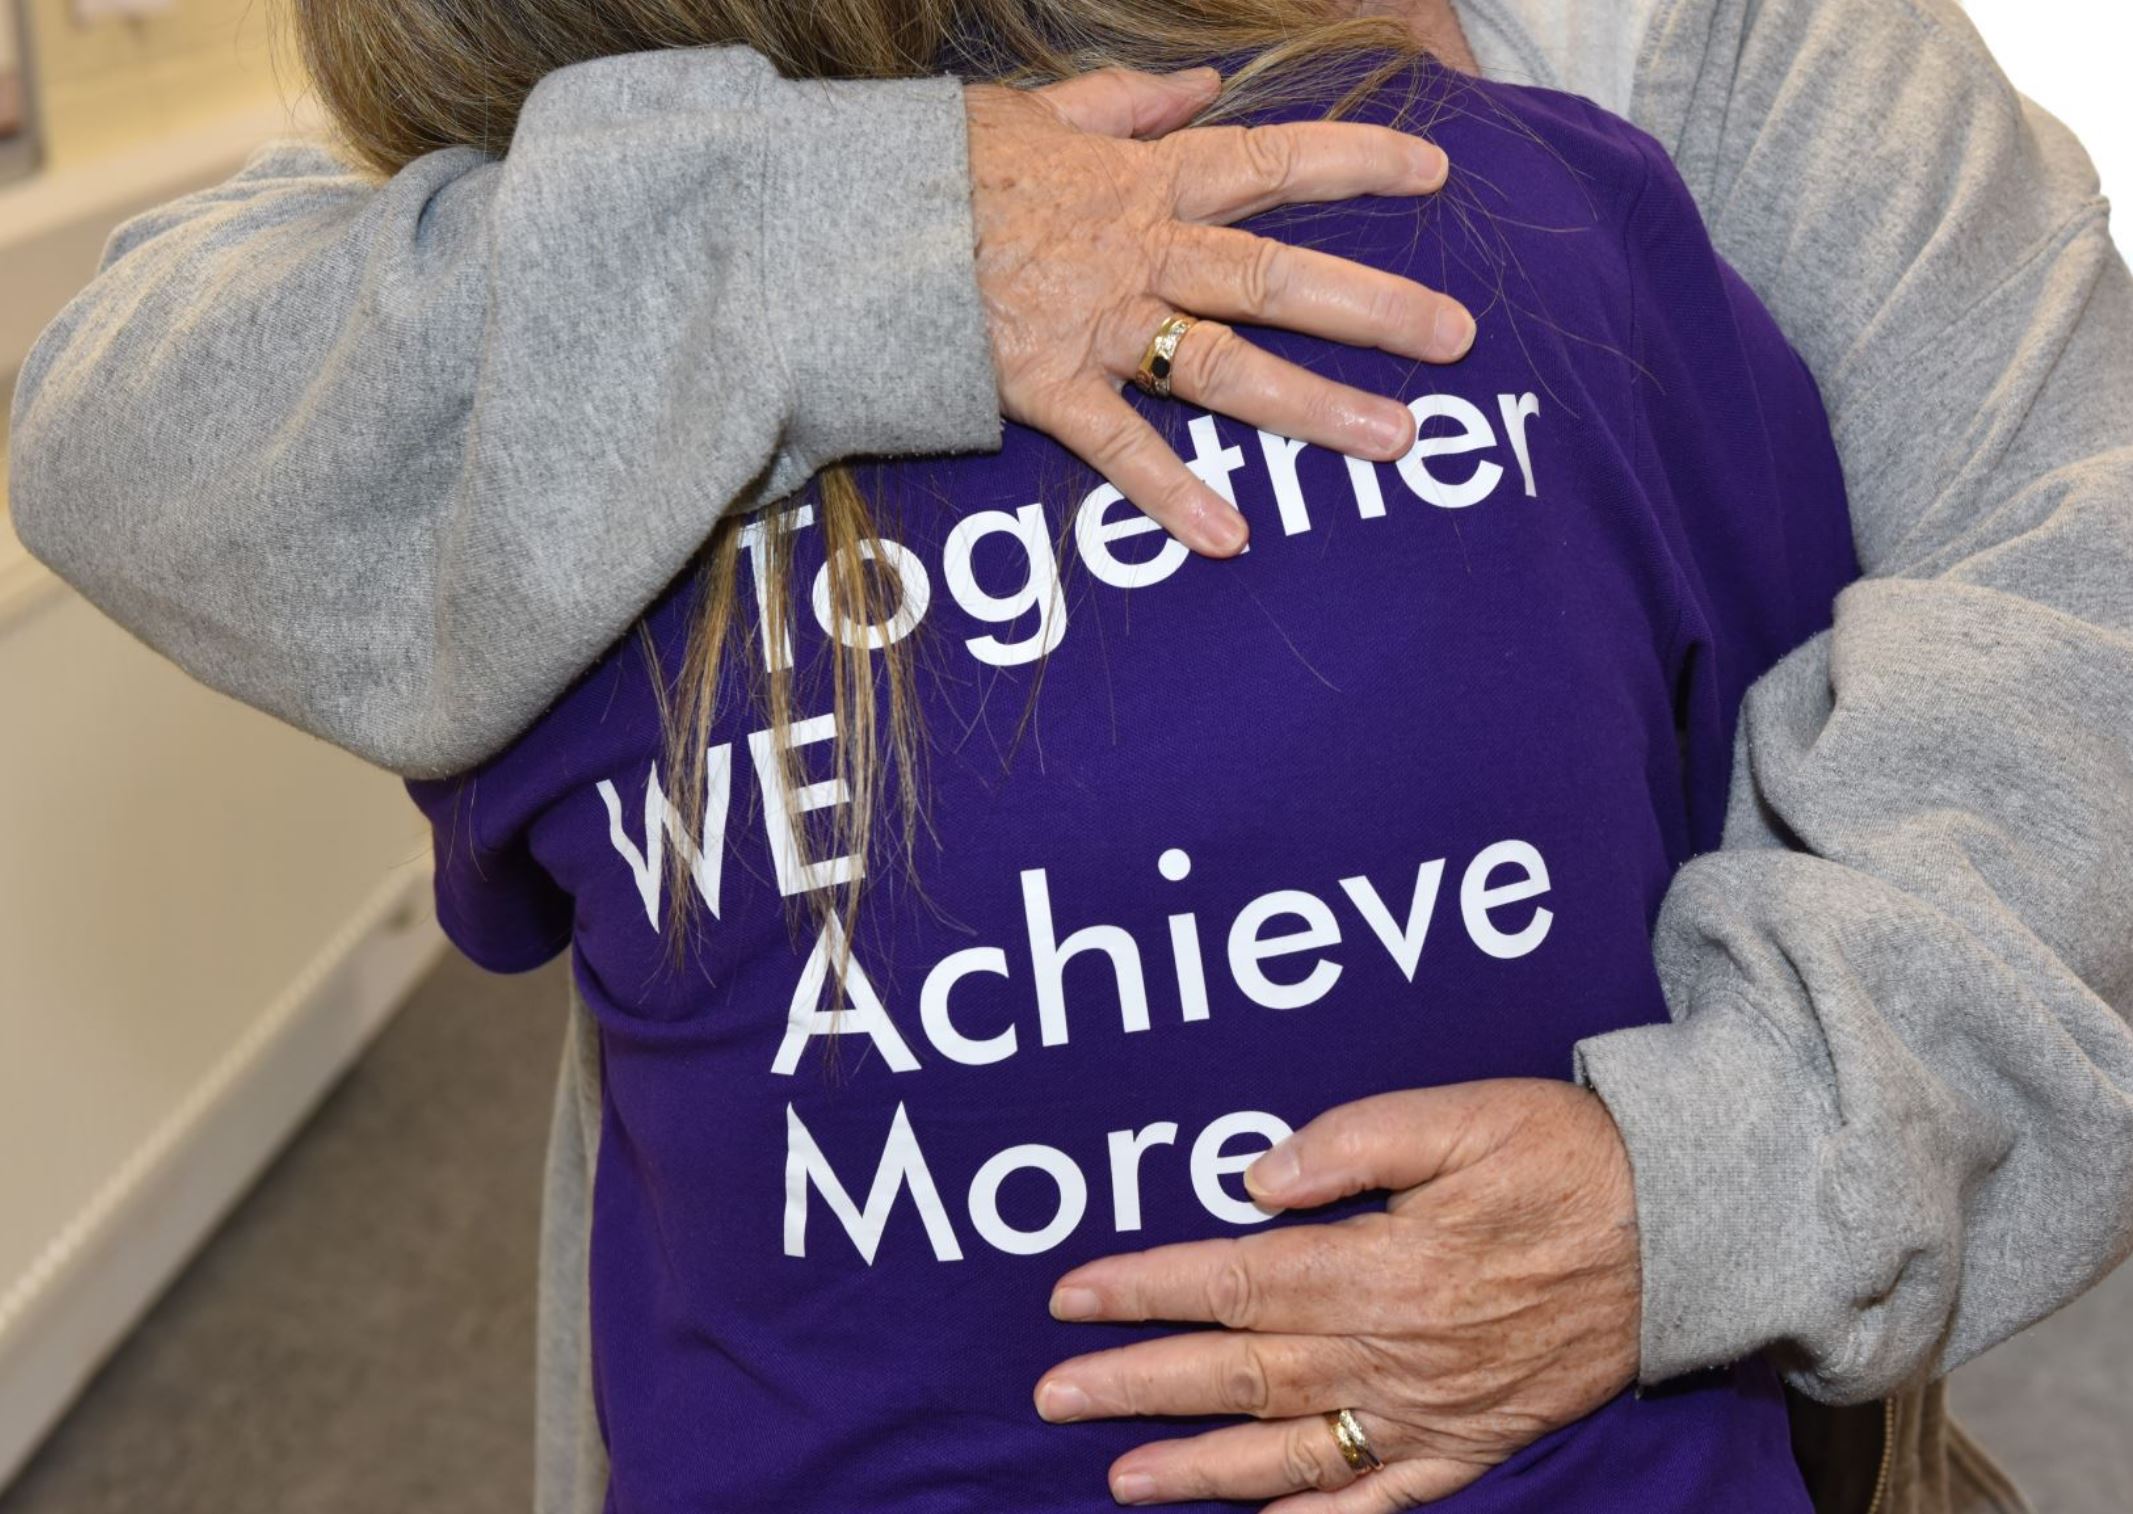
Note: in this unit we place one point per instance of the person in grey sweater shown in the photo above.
(1892, 1120)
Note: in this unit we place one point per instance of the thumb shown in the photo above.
(1120, 102)
(1390, 1140)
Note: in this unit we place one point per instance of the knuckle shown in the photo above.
(1394, 307)
(1216, 360)
(1325, 407)
(1270, 156)
(1229, 1292)
(1262, 279)
(1246, 1388)
(1304, 1462)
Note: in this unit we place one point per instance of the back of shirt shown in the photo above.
(1389, 801)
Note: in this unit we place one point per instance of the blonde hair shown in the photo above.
(407, 77)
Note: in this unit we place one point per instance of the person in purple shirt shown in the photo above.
(916, 991)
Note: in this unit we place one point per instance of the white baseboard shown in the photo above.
(98, 1276)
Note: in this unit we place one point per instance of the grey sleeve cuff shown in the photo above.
(1722, 1121)
(869, 260)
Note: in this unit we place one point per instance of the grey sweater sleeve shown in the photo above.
(396, 462)
(1892, 1120)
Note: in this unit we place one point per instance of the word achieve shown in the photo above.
(1276, 953)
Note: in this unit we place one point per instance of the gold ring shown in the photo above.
(1355, 1445)
(1153, 375)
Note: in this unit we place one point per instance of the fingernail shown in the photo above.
(1273, 1171)
(1226, 532)
(1057, 1401)
(1133, 1487)
(1454, 333)
(1391, 432)
(1432, 167)
(1074, 1303)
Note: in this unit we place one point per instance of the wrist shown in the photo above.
(1721, 1184)
(889, 352)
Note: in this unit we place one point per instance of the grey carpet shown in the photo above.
(2055, 1404)
(358, 1338)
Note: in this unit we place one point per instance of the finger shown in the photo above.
(1203, 1372)
(1219, 370)
(1235, 276)
(1225, 173)
(1123, 102)
(1111, 437)
(1392, 1140)
(1305, 1279)
(1400, 1486)
(1262, 1460)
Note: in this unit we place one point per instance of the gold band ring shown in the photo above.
(1355, 1445)
(1153, 375)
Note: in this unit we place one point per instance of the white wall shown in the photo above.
(169, 865)
(203, 915)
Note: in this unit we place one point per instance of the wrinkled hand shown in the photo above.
(1495, 1299)
(1089, 238)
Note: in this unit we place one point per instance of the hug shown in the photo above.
(1294, 755)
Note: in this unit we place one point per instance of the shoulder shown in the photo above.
(1589, 47)
(1527, 140)
(1551, 130)
(1623, 177)
(1547, 177)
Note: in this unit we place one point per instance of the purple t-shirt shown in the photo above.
(1390, 801)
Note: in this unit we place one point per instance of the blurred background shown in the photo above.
(268, 1157)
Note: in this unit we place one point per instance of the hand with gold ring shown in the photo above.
(1354, 1441)
(1153, 375)
(1099, 220)
(1390, 1358)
